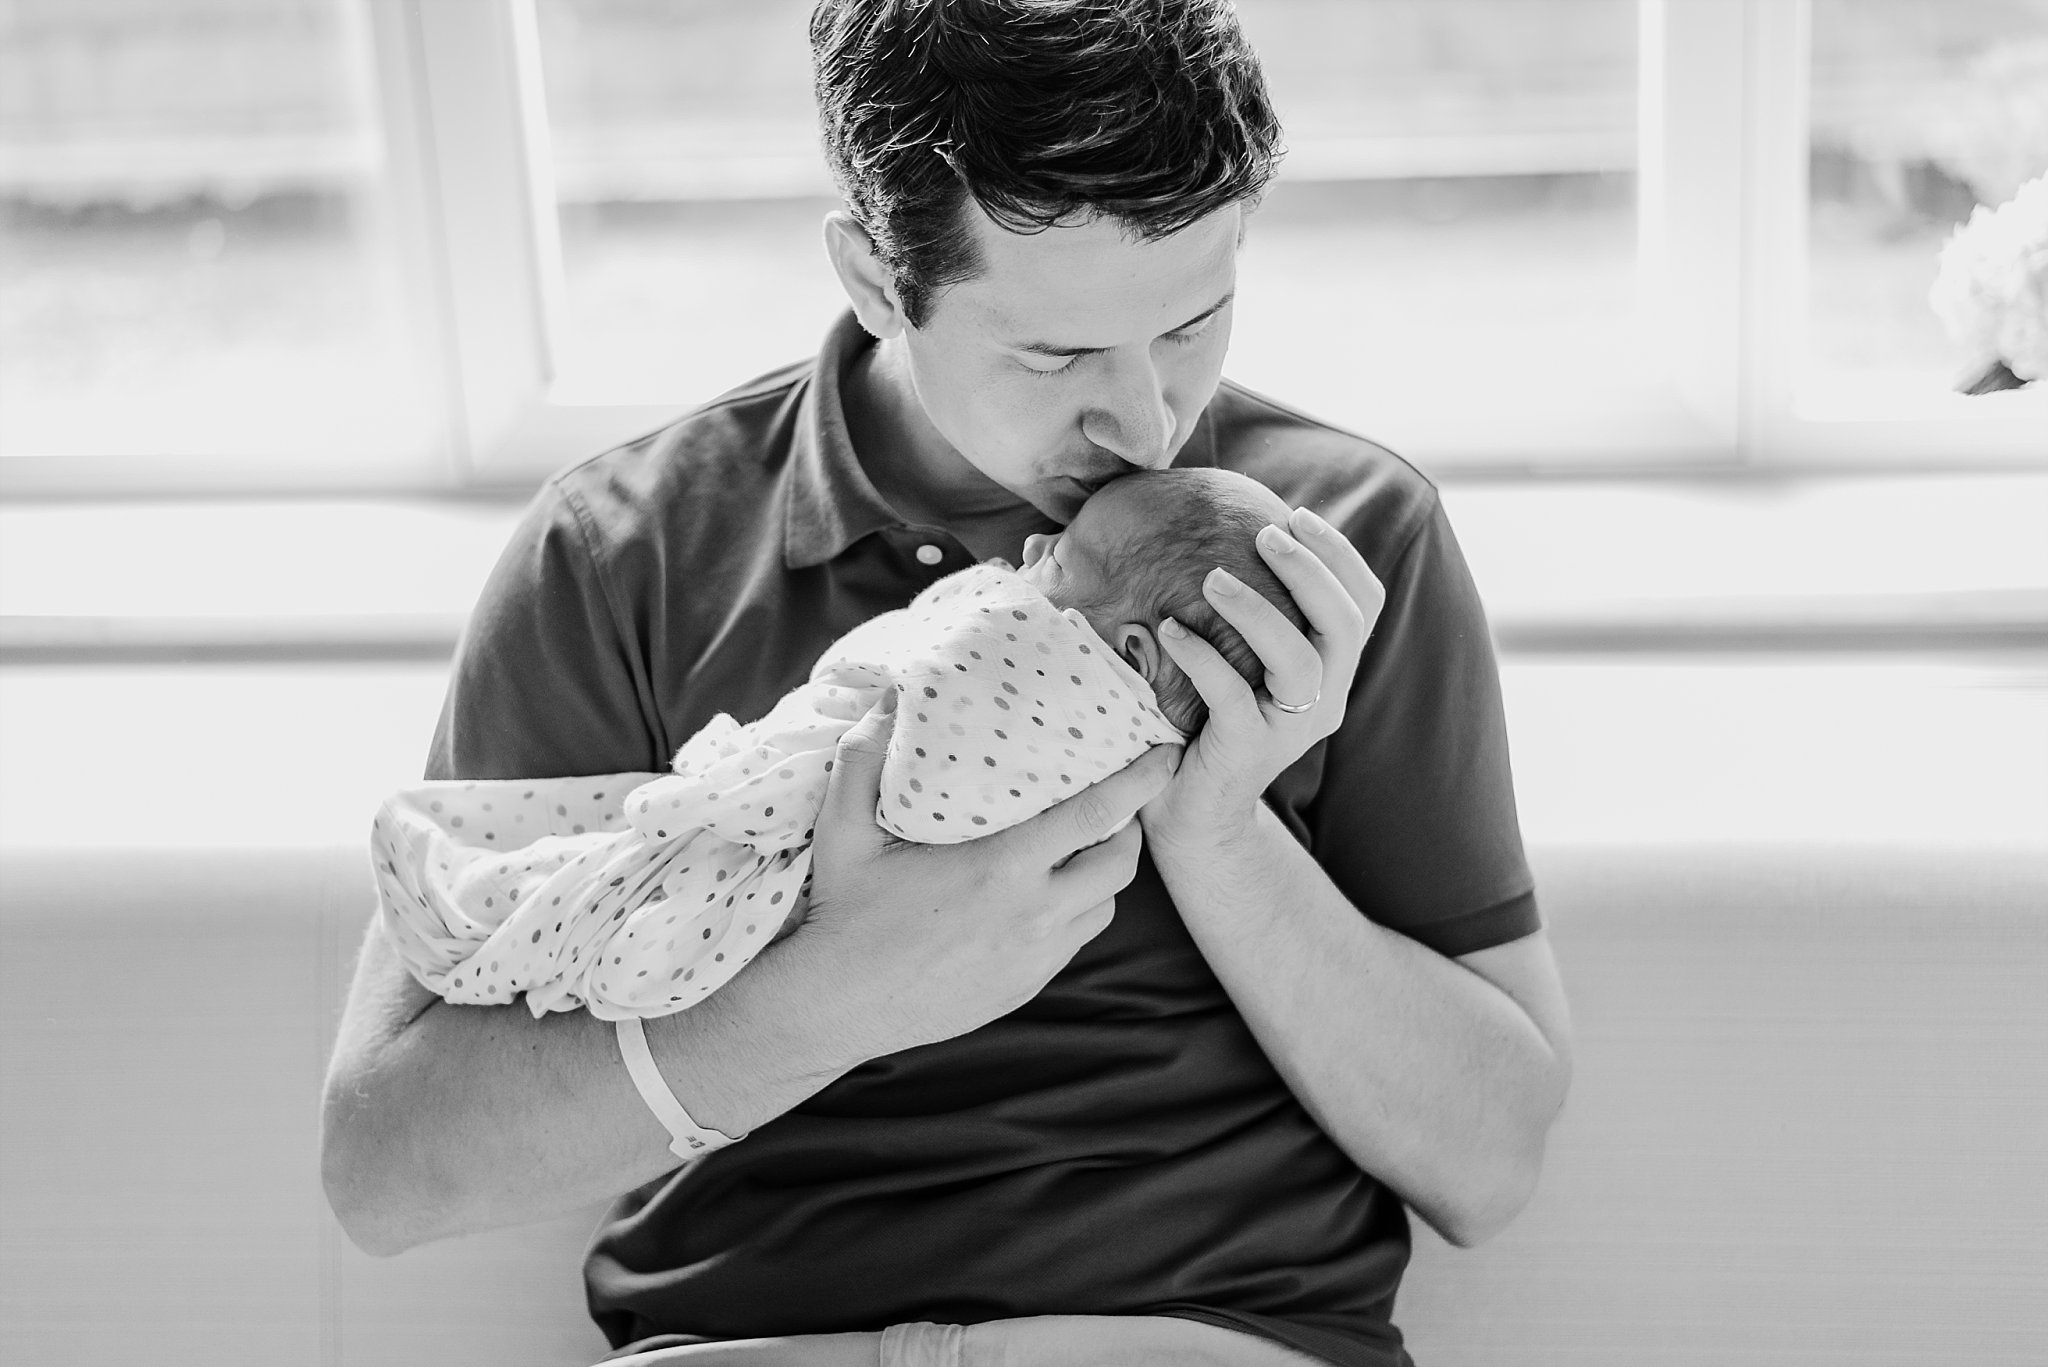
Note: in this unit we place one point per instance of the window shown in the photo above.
(1455, 216)
(476, 240)
(1921, 111)
(1456, 207)
(690, 194)
(197, 267)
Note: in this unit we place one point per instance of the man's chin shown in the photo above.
(1058, 499)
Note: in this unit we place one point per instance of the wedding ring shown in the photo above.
(1297, 708)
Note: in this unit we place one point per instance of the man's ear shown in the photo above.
(862, 274)
(1140, 649)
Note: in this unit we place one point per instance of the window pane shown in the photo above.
(1457, 200)
(1922, 110)
(191, 260)
(1456, 212)
(692, 189)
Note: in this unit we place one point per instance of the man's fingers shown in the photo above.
(1294, 668)
(1096, 919)
(1317, 588)
(857, 767)
(1220, 685)
(1091, 815)
(1337, 555)
(1102, 870)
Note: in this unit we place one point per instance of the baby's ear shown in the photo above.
(1140, 649)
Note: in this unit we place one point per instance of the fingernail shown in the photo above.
(1169, 627)
(1306, 520)
(1275, 540)
(1224, 582)
(887, 704)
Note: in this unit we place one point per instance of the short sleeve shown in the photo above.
(1415, 816)
(545, 683)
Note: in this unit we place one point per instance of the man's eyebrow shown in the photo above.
(1048, 349)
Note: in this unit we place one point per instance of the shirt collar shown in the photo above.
(830, 503)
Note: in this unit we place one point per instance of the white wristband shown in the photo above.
(688, 1138)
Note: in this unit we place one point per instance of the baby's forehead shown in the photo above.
(1142, 513)
(1159, 541)
(1157, 538)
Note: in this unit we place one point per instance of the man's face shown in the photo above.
(1077, 354)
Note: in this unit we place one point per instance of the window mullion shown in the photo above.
(1691, 194)
(1774, 293)
(412, 214)
(482, 109)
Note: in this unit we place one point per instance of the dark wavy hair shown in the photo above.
(1152, 112)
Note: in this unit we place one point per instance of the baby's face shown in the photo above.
(1073, 567)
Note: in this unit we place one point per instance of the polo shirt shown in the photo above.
(1120, 1144)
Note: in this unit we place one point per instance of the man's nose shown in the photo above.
(1134, 419)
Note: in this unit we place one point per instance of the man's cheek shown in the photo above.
(1021, 428)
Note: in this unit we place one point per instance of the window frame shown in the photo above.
(1725, 90)
(1722, 87)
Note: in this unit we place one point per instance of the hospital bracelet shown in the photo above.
(689, 1139)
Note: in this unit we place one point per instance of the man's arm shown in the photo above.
(444, 1119)
(1439, 1076)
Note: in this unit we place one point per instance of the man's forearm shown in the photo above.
(443, 1119)
(1432, 1078)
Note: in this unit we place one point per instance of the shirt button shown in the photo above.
(929, 555)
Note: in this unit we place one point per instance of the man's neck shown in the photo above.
(918, 471)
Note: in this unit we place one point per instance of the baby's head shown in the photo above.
(1138, 552)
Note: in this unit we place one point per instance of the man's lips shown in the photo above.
(1075, 490)
(1089, 485)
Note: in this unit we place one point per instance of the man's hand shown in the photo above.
(932, 941)
(1440, 1077)
(1248, 739)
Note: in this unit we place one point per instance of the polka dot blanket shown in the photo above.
(639, 894)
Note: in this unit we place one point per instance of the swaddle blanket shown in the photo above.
(638, 894)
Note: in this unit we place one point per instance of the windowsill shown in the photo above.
(1726, 563)
(1748, 562)
(1677, 666)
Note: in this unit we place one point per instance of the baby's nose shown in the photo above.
(1035, 546)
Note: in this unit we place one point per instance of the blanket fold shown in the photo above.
(638, 894)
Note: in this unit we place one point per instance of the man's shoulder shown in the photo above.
(725, 453)
(1375, 495)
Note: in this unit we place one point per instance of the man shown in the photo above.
(1188, 1088)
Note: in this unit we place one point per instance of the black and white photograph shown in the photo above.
(1023, 683)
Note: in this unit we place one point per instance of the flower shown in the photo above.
(1992, 289)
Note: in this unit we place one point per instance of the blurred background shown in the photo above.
(197, 240)
(300, 299)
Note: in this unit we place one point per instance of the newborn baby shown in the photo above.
(637, 894)
(1137, 553)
